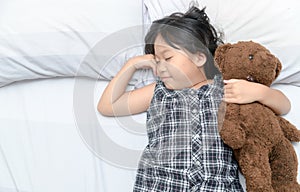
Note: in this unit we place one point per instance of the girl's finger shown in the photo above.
(230, 81)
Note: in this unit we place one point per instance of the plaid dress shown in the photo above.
(185, 152)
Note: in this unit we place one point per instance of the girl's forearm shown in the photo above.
(115, 90)
(274, 99)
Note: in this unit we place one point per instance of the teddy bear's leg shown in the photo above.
(254, 164)
(284, 166)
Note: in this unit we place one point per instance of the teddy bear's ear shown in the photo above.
(219, 55)
(278, 68)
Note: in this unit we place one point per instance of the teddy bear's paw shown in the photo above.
(293, 136)
(298, 136)
(235, 138)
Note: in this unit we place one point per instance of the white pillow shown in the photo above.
(49, 38)
(273, 23)
(113, 51)
(156, 9)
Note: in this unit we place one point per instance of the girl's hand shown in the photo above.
(241, 91)
(143, 62)
(117, 101)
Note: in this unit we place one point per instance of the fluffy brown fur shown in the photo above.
(261, 141)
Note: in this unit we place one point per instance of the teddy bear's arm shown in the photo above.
(289, 130)
(231, 130)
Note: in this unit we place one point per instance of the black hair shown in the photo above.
(190, 31)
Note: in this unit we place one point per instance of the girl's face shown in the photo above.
(176, 68)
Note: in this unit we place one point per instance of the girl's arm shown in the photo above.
(116, 101)
(242, 91)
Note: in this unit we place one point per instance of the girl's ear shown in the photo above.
(200, 59)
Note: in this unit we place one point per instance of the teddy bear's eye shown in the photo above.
(250, 57)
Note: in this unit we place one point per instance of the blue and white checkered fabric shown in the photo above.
(185, 152)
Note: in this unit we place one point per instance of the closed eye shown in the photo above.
(168, 58)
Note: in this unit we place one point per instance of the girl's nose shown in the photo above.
(161, 67)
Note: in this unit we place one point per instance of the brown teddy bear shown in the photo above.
(260, 139)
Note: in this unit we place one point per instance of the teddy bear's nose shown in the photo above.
(250, 78)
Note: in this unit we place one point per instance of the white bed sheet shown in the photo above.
(45, 147)
(41, 148)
